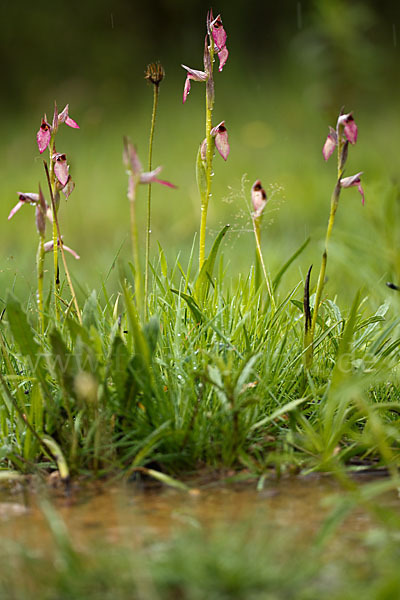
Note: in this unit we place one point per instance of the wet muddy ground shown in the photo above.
(130, 515)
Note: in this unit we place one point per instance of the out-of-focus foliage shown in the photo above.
(291, 67)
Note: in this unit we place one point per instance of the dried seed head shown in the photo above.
(154, 73)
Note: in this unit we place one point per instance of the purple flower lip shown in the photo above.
(258, 199)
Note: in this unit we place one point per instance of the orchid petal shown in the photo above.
(350, 128)
(48, 247)
(223, 57)
(196, 75)
(350, 181)
(218, 33)
(43, 136)
(132, 182)
(40, 214)
(64, 117)
(55, 118)
(258, 199)
(360, 189)
(63, 114)
(28, 197)
(16, 208)
(68, 249)
(354, 181)
(330, 144)
(186, 89)
(221, 139)
(61, 168)
(131, 158)
(68, 188)
(24, 198)
(350, 131)
(40, 221)
(167, 183)
(151, 177)
(71, 123)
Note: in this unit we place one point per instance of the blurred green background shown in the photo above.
(292, 66)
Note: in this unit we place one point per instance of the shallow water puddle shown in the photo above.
(130, 516)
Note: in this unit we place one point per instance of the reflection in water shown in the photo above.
(127, 515)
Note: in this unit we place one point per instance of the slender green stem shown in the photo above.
(55, 245)
(58, 238)
(148, 224)
(321, 277)
(257, 235)
(40, 276)
(208, 167)
(309, 338)
(135, 242)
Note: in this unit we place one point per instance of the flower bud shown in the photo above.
(258, 199)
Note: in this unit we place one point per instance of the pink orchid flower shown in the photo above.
(258, 199)
(354, 180)
(194, 76)
(135, 169)
(220, 134)
(46, 130)
(219, 37)
(349, 132)
(216, 34)
(24, 198)
(61, 167)
(221, 139)
(48, 247)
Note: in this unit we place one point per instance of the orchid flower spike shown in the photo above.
(258, 199)
(219, 37)
(354, 180)
(349, 134)
(46, 130)
(216, 35)
(135, 169)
